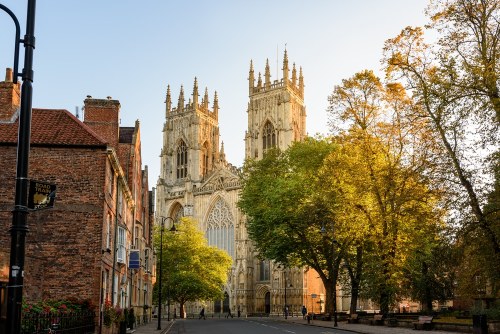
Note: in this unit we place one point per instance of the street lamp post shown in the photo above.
(172, 229)
(19, 227)
(334, 290)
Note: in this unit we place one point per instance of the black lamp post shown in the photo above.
(172, 229)
(19, 227)
(334, 291)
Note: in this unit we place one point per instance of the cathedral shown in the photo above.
(197, 181)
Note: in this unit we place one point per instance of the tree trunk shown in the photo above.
(427, 302)
(356, 279)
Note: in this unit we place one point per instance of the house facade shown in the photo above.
(102, 217)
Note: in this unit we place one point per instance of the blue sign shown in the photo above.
(134, 261)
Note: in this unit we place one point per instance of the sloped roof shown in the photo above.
(56, 127)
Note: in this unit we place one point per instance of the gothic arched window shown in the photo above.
(265, 272)
(268, 136)
(204, 159)
(182, 160)
(220, 227)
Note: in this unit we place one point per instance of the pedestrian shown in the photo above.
(202, 314)
(229, 313)
(239, 312)
(304, 311)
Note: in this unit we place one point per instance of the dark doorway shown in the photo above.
(225, 305)
(268, 302)
(217, 306)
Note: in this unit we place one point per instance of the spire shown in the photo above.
(301, 81)
(285, 67)
(294, 76)
(216, 106)
(222, 155)
(259, 82)
(168, 101)
(251, 78)
(180, 103)
(268, 75)
(204, 101)
(195, 93)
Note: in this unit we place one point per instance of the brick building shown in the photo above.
(103, 209)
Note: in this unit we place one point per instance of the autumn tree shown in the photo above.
(388, 163)
(192, 270)
(454, 83)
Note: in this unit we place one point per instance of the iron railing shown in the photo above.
(58, 323)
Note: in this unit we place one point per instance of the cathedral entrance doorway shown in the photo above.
(225, 304)
(267, 299)
(217, 306)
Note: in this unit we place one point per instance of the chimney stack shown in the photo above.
(102, 115)
(10, 98)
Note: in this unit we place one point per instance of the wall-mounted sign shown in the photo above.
(41, 195)
(134, 261)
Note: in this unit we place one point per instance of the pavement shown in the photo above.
(355, 328)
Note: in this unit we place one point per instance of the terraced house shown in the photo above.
(102, 217)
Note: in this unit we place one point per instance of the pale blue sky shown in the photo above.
(131, 50)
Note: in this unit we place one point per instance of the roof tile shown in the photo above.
(53, 127)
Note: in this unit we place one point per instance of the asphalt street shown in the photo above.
(246, 326)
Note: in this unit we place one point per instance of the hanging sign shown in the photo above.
(41, 195)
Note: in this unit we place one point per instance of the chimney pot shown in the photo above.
(8, 75)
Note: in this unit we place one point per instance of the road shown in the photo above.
(246, 326)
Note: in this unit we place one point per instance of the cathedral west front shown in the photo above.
(197, 181)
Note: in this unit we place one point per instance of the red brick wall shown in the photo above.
(64, 244)
(103, 117)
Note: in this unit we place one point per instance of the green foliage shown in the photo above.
(492, 313)
(57, 306)
(279, 198)
(430, 273)
(192, 270)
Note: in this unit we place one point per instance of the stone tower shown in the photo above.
(190, 148)
(276, 111)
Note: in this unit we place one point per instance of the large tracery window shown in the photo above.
(182, 160)
(268, 136)
(220, 227)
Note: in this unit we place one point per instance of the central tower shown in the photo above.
(276, 111)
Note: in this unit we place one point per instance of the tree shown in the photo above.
(470, 36)
(192, 270)
(431, 272)
(455, 86)
(385, 162)
(285, 211)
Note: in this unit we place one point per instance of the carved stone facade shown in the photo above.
(197, 181)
